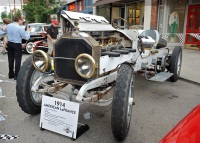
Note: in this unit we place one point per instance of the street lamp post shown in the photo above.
(10, 9)
(14, 7)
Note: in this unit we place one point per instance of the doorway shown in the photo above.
(193, 25)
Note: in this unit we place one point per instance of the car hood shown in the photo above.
(34, 33)
(187, 130)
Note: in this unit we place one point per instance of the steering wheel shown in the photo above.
(117, 21)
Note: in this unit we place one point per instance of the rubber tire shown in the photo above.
(120, 102)
(23, 90)
(173, 63)
(26, 51)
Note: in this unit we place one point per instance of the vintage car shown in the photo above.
(187, 130)
(95, 57)
(35, 35)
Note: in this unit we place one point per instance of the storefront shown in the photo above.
(192, 38)
(132, 11)
(79, 6)
(72, 6)
(179, 22)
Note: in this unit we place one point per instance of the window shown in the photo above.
(104, 11)
(161, 19)
(176, 18)
(72, 7)
(81, 5)
(115, 12)
(162, 2)
(193, 1)
(38, 29)
(171, 18)
(136, 13)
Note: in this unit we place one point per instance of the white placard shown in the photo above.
(59, 116)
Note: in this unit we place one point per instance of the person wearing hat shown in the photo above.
(52, 35)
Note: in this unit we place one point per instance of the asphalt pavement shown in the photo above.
(159, 107)
(191, 66)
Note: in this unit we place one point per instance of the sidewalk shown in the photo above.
(191, 65)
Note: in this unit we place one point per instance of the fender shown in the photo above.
(187, 130)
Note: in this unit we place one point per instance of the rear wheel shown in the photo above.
(121, 108)
(175, 63)
(30, 102)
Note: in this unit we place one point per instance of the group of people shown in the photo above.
(12, 44)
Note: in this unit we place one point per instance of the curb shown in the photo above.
(189, 81)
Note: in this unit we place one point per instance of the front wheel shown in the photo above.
(175, 63)
(30, 102)
(121, 108)
(29, 47)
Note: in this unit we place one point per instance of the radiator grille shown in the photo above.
(69, 48)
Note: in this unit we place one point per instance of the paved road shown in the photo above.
(158, 108)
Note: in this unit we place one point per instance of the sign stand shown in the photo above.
(80, 130)
(61, 116)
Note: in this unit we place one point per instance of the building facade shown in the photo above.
(82, 6)
(137, 13)
(179, 22)
(132, 11)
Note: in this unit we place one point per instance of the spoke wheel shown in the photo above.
(175, 63)
(121, 109)
(30, 102)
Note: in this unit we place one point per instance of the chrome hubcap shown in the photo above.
(35, 96)
(179, 63)
(29, 47)
(131, 93)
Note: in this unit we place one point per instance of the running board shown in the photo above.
(161, 77)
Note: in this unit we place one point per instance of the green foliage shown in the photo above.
(9, 16)
(3, 15)
(18, 13)
(39, 10)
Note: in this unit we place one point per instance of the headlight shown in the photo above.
(41, 61)
(85, 65)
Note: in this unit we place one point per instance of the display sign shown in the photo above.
(59, 116)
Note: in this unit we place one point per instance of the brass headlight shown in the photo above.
(85, 65)
(41, 61)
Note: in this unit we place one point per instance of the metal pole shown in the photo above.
(21, 8)
(14, 7)
(147, 14)
(21, 4)
(10, 10)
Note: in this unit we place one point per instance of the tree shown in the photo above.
(39, 10)
(18, 13)
(3, 15)
(10, 15)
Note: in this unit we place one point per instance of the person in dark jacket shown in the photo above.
(52, 35)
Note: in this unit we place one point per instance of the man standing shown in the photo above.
(52, 35)
(15, 34)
